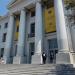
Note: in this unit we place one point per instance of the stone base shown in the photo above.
(19, 60)
(73, 58)
(63, 58)
(37, 59)
(7, 60)
(73, 54)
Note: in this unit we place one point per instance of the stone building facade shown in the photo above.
(35, 26)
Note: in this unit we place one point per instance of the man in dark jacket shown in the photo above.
(44, 58)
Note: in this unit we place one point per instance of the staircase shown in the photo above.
(48, 69)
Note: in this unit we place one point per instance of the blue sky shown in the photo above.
(3, 7)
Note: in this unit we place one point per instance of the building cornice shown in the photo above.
(12, 3)
(3, 17)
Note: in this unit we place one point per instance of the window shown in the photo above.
(2, 52)
(6, 25)
(32, 13)
(4, 37)
(32, 28)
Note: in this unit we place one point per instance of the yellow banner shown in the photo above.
(17, 26)
(49, 17)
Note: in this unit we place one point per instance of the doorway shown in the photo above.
(31, 51)
(52, 50)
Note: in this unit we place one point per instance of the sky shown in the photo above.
(3, 7)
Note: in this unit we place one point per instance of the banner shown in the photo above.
(17, 28)
(49, 18)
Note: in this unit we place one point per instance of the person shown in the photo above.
(44, 58)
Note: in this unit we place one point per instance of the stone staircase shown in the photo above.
(26, 69)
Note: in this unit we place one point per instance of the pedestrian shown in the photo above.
(44, 58)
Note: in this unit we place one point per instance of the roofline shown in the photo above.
(12, 3)
(5, 16)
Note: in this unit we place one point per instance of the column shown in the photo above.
(20, 58)
(69, 38)
(37, 58)
(9, 41)
(63, 56)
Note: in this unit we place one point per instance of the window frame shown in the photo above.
(2, 52)
(32, 30)
(6, 25)
(4, 37)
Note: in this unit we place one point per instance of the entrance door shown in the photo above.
(52, 50)
(31, 51)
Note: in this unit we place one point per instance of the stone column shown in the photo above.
(63, 56)
(20, 58)
(9, 41)
(37, 58)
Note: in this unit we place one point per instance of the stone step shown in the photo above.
(26, 69)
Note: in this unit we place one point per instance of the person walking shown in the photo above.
(44, 58)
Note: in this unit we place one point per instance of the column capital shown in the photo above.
(38, 1)
(23, 9)
(11, 14)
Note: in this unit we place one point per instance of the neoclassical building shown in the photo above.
(32, 27)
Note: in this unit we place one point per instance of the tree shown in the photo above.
(70, 4)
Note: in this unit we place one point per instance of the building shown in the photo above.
(35, 26)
